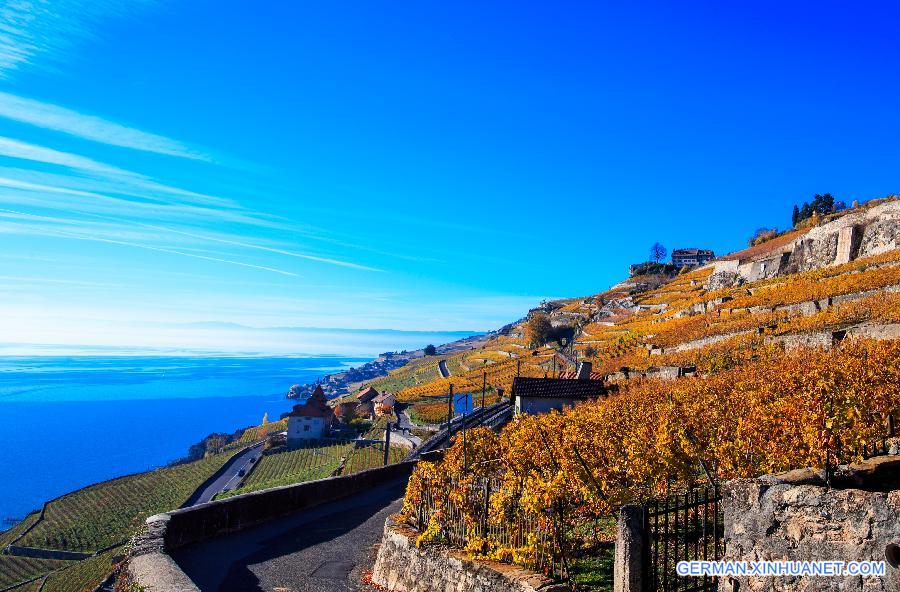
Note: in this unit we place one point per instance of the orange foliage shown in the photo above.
(779, 412)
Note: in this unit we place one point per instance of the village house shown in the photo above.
(311, 420)
(345, 411)
(542, 395)
(685, 257)
(384, 404)
(365, 410)
(367, 394)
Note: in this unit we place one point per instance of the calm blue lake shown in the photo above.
(66, 422)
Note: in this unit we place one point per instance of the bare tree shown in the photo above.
(658, 252)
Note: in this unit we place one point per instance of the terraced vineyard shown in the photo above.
(107, 513)
(260, 432)
(14, 570)
(84, 575)
(415, 372)
(370, 457)
(317, 460)
(8, 536)
(34, 586)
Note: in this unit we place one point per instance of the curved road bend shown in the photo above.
(228, 478)
(442, 366)
(324, 549)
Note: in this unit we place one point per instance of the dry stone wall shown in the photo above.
(402, 567)
(766, 519)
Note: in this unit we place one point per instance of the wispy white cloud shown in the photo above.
(90, 127)
(26, 193)
(338, 262)
(48, 29)
(43, 280)
(12, 148)
(67, 232)
(131, 185)
(127, 217)
(105, 178)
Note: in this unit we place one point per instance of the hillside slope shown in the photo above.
(837, 278)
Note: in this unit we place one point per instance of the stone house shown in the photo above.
(365, 410)
(311, 420)
(685, 257)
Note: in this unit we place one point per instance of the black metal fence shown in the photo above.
(879, 446)
(534, 541)
(682, 527)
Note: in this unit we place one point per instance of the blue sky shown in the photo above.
(406, 165)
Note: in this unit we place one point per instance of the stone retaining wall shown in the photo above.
(401, 567)
(766, 519)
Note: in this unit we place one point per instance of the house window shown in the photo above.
(306, 428)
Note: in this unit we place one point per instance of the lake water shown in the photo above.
(66, 422)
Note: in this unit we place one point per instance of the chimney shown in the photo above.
(584, 371)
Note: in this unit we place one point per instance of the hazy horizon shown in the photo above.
(226, 341)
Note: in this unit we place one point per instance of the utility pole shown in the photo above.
(483, 389)
(449, 415)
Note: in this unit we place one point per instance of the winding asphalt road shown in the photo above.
(229, 477)
(324, 549)
(442, 366)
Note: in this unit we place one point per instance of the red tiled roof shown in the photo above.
(316, 406)
(367, 394)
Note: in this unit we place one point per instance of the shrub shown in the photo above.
(762, 235)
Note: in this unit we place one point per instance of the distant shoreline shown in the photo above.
(344, 383)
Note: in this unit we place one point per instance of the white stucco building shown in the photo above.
(310, 421)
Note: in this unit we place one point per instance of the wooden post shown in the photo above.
(629, 555)
(387, 442)
(483, 389)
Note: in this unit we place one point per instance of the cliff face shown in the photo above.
(857, 234)
(861, 232)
